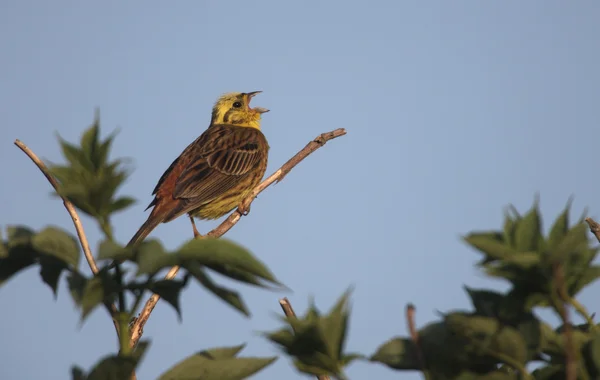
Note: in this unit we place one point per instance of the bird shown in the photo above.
(214, 174)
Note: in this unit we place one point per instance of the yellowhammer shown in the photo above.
(215, 172)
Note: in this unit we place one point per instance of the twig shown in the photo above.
(563, 311)
(594, 227)
(68, 205)
(76, 221)
(414, 335)
(319, 141)
(286, 306)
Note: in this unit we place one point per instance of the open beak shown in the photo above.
(256, 109)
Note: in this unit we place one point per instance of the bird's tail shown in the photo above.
(144, 230)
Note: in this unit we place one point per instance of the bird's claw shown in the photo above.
(243, 209)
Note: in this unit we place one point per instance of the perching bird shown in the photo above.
(215, 172)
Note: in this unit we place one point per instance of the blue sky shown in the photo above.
(454, 109)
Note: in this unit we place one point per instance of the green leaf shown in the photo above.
(102, 287)
(113, 368)
(119, 367)
(509, 230)
(224, 352)
(397, 353)
(559, 228)
(551, 343)
(588, 276)
(575, 240)
(152, 257)
(230, 297)
(591, 354)
(317, 341)
(55, 242)
(446, 352)
(169, 290)
(19, 258)
(485, 302)
(235, 274)
(525, 260)
(19, 235)
(486, 336)
(89, 141)
(203, 366)
(109, 250)
(530, 329)
(104, 148)
(222, 252)
(77, 373)
(75, 156)
(51, 269)
(77, 284)
(527, 234)
(140, 350)
(121, 204)
(489, 246)
(334, 327)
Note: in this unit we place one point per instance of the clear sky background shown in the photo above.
(454, 109)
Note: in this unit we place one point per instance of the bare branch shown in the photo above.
(68, 205)
(319, 141)
(594, 227)
(74, 216)
(289, 312)
(414, 335)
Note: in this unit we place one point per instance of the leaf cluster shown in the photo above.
(89, 179)
(316, 341)
(220, 363)
(52, 248)
(502, 335)
(197, 258)
(55, 251)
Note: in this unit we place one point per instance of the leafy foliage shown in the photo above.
(317, 341)
(52, 248)
(89, 179)
(217, 364)
(503, 330)
(113, 367)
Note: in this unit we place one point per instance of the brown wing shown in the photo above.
(223, 162)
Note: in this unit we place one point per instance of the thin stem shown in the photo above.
(119, 273)
(286, 306)
(581, 310)
(414, 335)
(319, 141)
(124, 348)
(85, 246)
(106, 229)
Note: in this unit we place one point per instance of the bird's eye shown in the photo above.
(237, 105)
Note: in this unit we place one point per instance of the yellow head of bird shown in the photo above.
(234, 108)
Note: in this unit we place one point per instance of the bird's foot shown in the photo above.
(196, 233)
(243, 208)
